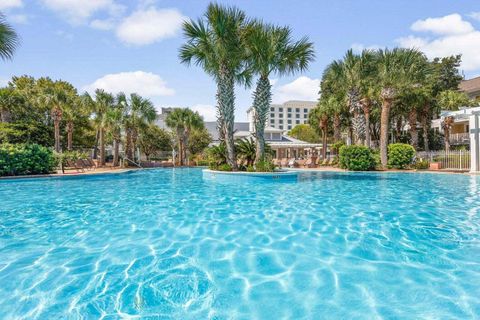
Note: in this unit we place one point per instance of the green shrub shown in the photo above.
(250, 169)
(224, 167)
(336, 146)
(22, 159)
(265, 166)
(400, 155)
(422, 165)
(202, 163)
(358, 158)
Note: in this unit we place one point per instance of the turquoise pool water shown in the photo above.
(167, 244)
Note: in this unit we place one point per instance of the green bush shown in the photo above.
(336, 146)
(22, 159)
(203, 163)
(357, 158)
(265, 166)
(250, 169)
(224, 167)
(400, 155)
(422, 165)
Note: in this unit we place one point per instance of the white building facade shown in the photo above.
(287, 115)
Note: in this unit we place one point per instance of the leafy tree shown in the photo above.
(216, 44)
(199, 140)
(272, 51)
(304, 132)
(153, 139)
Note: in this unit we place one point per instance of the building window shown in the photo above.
(289, 121)
(289, 115)
(280, 127)
(280, 121)
(272, 109)
(272, 121)
(280, 115)
(289, 127)
(289, 109)
(305, 110)
(280, 109)
(272, 115)
(297, 110)
(298, 115)
(297, 122)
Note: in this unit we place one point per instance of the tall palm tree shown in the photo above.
(55, 96)
(183, 121)
(272, 51)
(333, 89)
(9, 40)
(140, 112)
(215, 43)
(319, 117)
(114, 121)
(73, 110)
(396, 71)
(99, 105)
(351, 64)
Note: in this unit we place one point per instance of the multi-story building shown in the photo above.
(287, 115)
(160, 121)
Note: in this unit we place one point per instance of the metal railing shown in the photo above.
(454, 159)
(459, 138)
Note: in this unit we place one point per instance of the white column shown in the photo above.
(474, 125)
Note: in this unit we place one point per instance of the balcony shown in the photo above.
(459, 138)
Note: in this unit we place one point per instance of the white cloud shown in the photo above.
(150, 25)
(106, 24)
(9, 4)
(475, 15)
(208, 112)
(78, 11)
(451, 24)
(302, 88)
(146, 84)
(465, 40)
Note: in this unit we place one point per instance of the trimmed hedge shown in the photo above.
(357, 158)
(400, 155)
(23, 159)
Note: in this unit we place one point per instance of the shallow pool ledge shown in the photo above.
(248, 176)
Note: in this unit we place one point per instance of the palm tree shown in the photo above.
(396, 71)
(73, 111)
(272, 51)
(114, 121)
(351, 64)
(333, 89)
(319, 117)
(246, 150)
(9, 40)
(140, 112)
(183, 121)
(215, 43)
(103, 102)
(452, 101)
(55, 96)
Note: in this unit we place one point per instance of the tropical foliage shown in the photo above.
(400, 155)
(25, 159)
(304, 132)
(356, 158)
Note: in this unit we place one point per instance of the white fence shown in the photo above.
(460, 138)
(455, 159)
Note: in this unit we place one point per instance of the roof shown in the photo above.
(211, 127)
(470, 85)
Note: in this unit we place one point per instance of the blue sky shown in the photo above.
(133, 45)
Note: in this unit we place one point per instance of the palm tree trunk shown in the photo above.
(56, 125)
(324, 143)
(387, 97)
(336, 127)
(128, 144)
(102, 146)
(134, 144)
(366, 112)
(226, 108)
(262, 98)
(412, 121)
(70, 136)
(185, 149)
(116, 143)
(426, 129)
(446, 132)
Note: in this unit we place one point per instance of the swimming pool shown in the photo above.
(167, 244)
